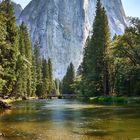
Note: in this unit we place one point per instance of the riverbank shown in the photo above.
(6, 103)
(114, 100)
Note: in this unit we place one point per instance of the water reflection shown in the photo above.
(69, 120)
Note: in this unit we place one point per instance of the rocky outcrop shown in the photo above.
(62, 27)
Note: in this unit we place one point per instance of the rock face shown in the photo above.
(62, 27)
(17, 9)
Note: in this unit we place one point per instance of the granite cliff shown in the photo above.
(62, 27)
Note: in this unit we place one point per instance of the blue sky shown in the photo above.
(22, 2)
(132, 7)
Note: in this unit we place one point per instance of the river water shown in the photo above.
(69, 120)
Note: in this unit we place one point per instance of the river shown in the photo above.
(69, 120)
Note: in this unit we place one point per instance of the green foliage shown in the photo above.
(110, 67)
(109, 99)
(9, 47)
(23, 73)
(126, 62)
(38, 68)
(51, 82)
(95, 64)
(45, 77)
(24, 63)
(57, 86)
(76, 86)
(2, 44)
(68, 80)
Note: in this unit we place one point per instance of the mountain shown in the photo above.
(17, 9)
(62, 27)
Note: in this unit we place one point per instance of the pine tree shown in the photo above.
(95, 62)
(9, 53)
(24, 63)
(57, 87)
(45, 78)
(2, 49)
(37, 60)
(28, 56)
(68, 80)
(51, 82)
(34, 76)
(38, 68)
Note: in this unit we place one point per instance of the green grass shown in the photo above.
(115, 100)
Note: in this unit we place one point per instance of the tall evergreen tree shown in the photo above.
(45, 78)
(68, 80)
(28, 56)
(2, 49)
(95, 62)
(10, 51)
(37, 60)
(34, 76)
(51, 82)
(38, 68)
(24, 63)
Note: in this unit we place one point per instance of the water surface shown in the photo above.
(69, 120)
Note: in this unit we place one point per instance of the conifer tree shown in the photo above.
(68, 80)
(28, 59)
(34, 76)
(95, 63)
(51, 82)
(38, 67)
(45, 78)
(2, 49)
(57, 87)
(9, 54)
(24, 63)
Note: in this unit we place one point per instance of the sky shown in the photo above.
(131, 7)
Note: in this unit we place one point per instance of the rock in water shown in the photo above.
(62, 27)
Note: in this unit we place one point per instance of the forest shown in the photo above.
(23, 72)
(110, 66)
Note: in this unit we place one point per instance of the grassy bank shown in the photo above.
(114, 100)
